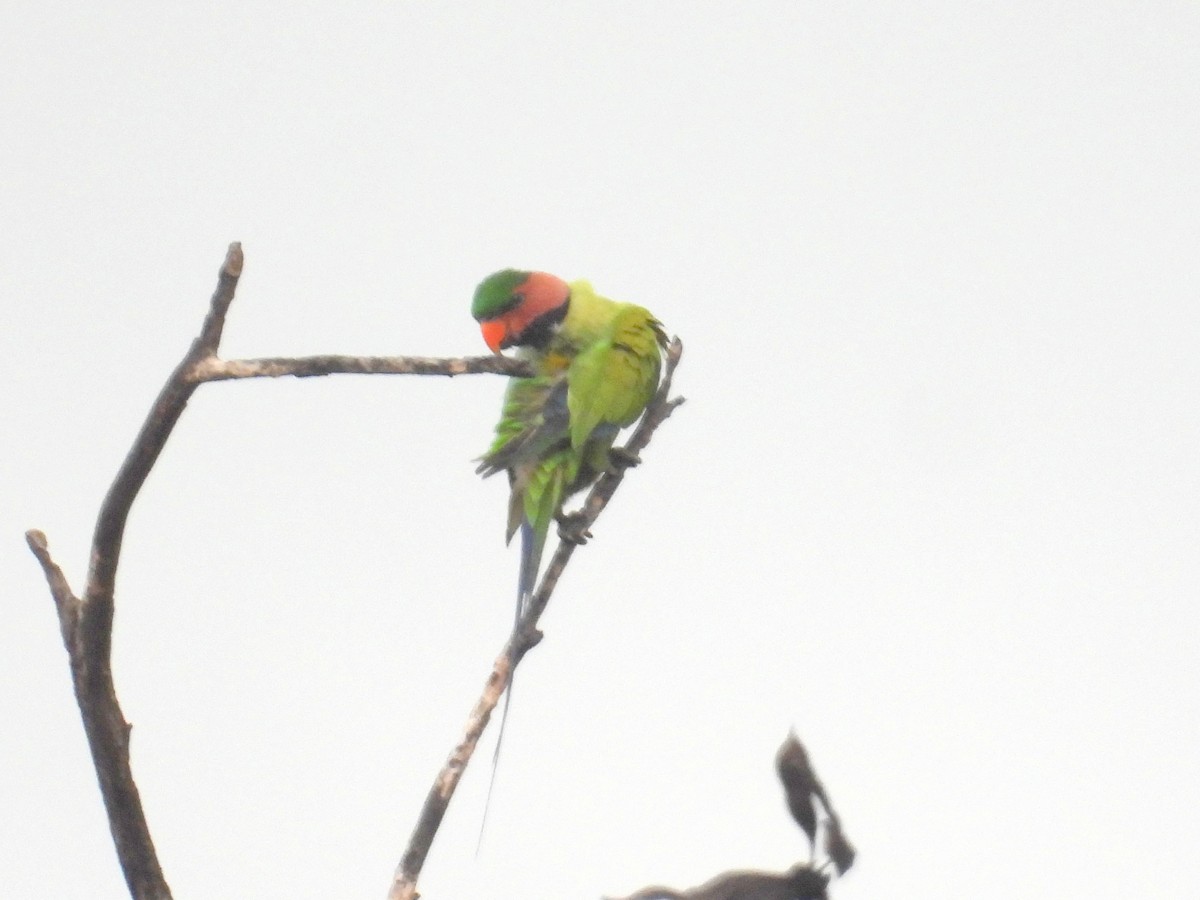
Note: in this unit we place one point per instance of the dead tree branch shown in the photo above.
(525, 635)
(804, 881)
(211, 368)
(800, 883)
(86, 622)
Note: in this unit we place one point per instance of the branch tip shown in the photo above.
(674, 351)
(60, 591)
(234, 260)
(37, 541)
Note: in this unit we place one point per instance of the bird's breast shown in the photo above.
(555, 363)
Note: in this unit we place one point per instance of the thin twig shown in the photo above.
(525, 635)
(64, 598)
(210, 368)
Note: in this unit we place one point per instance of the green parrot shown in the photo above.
(597, 364)
(596, 367)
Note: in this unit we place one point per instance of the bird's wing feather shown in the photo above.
(612, 380)
(535, 418)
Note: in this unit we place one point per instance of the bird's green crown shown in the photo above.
(496, 294)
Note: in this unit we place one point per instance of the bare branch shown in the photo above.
(107, 733)
(87, 624)
(64, 598)
(210, 368)
(525, 635)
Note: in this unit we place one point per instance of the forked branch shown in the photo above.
(86, 621)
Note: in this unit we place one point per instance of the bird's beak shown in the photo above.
(494, 333)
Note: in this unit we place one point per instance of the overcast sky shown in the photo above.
(934, 499)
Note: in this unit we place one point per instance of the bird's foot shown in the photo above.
(523, 641)
(620, 459)
(572, 528)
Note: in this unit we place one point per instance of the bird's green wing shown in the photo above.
(612, 381)
(533, 420)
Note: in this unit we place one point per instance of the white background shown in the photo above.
(933, 498)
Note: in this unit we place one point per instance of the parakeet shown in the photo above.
(596, 364)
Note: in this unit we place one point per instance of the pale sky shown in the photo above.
(934, 499)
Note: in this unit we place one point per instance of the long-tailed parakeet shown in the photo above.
(596, 365)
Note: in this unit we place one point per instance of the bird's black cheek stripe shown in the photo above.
(541, 329)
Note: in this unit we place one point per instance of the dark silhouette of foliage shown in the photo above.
(806, 799)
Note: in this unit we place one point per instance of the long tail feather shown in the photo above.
(531, 557)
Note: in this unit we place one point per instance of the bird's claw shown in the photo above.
(572, 528)
(525, 640)
(620, 459)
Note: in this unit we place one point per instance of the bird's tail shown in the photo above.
(531, 557)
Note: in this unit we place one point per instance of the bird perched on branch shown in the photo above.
(596, 367)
